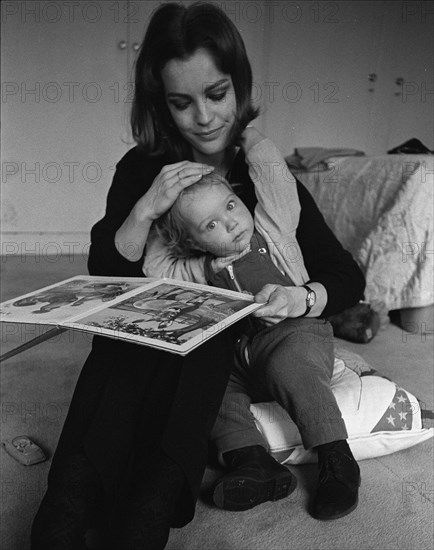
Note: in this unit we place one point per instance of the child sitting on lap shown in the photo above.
(210, 232)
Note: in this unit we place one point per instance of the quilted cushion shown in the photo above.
(380, 416)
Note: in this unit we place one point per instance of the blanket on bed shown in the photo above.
(381, 209)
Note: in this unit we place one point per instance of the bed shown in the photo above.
(381, 209)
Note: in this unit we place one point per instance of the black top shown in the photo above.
(111, 406)
(325, 259)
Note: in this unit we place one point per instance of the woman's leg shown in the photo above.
(74, 483)
(67, 507)
(165, 489)
(130, 401)
(144, 515)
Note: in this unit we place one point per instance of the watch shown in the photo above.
(310, 300)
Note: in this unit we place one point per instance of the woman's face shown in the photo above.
(202, 103)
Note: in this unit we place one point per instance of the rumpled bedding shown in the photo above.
(381, 209)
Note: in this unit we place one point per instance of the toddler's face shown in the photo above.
(218, 221)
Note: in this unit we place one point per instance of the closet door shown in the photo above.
(321, 59)
(407, 73)
(349, 74)
(63, 120)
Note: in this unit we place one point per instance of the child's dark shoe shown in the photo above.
(254, 477)
(338, 483)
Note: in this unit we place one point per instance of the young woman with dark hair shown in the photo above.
(134, 443)
(177, 33)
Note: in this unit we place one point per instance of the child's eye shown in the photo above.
(231, 205)
(211, 226)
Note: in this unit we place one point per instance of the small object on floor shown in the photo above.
(359, 323)
(24, 450)
(411, 147)
(337, 493)
(255, 478)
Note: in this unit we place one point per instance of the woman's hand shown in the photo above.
(250, 137)
(166, 187)
(131, 237)
(281, 302)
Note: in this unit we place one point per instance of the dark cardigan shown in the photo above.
(325, 259)
(131, 401)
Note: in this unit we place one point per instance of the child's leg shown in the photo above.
(293, 362)
(254, 476)
(235, 426)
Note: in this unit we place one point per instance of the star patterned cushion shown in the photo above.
(399, 414)
(380, 417)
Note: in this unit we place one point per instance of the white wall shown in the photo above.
(62, 125)
(65, 95)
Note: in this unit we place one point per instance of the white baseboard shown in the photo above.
(44, 244)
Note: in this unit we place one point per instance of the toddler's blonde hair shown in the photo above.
(174, 229)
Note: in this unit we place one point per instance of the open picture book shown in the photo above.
(167, 314)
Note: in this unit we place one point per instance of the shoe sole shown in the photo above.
(337, 516)
(242, 493)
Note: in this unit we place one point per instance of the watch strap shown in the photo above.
(308, 306)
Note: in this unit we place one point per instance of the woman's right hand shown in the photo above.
(166, 187)
(131, 237)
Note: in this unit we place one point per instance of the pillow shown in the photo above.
(380, 416)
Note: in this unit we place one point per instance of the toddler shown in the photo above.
(291, 361)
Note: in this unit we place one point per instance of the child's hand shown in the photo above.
(250, 137)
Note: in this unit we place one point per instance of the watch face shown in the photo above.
(311, 298)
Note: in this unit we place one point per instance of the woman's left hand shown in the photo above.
(280, 302)
(249, 138)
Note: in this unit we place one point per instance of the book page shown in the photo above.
(56, 303)
(172, 315)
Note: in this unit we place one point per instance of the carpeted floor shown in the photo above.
(396, 498)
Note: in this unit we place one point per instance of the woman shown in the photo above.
(136, 432)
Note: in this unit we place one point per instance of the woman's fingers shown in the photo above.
(269, 296)
(186, 169)
(190, 173)
(186, 176)
(170, 182)
(277, 301)
(263, 296)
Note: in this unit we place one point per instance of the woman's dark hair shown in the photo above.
(177, 32)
